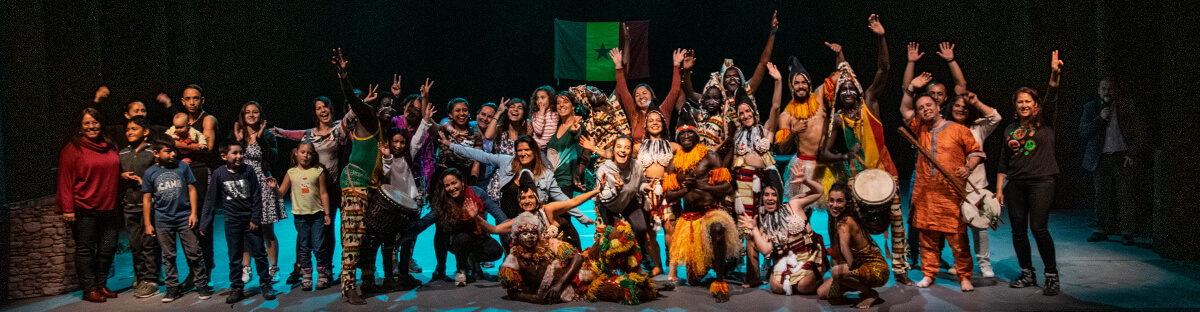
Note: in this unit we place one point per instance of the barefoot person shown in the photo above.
(935, 203)
(858, 262)
(704, 234)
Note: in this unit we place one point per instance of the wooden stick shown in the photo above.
(957, 188)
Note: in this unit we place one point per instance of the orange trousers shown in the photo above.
(931, 252)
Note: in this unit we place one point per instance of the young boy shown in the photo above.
(171, 196)
(236, 187)
(182, 133)
(136, 157)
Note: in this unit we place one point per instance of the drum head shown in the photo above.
(874, 187)
(980, 209)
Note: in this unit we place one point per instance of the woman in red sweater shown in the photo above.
(88, 172)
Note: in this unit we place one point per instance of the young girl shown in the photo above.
(310, 205)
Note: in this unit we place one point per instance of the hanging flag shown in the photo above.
(581, 49)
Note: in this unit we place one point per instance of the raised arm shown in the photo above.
(365, 113)
(586, 143)
(492, 129)
(1056, 65)
(773, 116)
(946, 51)
(755, 79)
(685, 72)
(906, 102)
(668, 105)
(883, 65)
(760, 241)
(914, 55)
(837, 52)
(814, 193)
(622, 87)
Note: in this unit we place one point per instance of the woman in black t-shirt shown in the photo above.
(1029, 166)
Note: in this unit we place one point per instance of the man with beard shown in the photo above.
(802, 126)
(935, 204)
(1115, 137)
(704, 234)
(857, 139)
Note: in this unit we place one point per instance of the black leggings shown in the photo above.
(1029, 202)
(470, 249)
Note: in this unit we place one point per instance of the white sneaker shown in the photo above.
(246, 274)
(460, 279)
(986, 269)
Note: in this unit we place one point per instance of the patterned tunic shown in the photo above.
(272, 205)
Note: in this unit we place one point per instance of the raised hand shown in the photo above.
(1055, 63)
(586, 143)
(914, 52)
(946, 51)
(920, 81)
(396, 85)
(836, 48)
(874, 24)
(445, 138)
(427, 112)
(101, 94)
(747, 221)
(601, 181)
(371, 93)
(689, 59)
(773, 71)
(677, 56)
(424, 88)
(972, 99)
(615, 55)
(339, 61)
(385, 150)
(774, 21)
(164, 99)
(239, 132)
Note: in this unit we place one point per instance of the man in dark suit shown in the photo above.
(1115, 138)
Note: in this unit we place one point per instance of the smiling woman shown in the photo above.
(88, 171)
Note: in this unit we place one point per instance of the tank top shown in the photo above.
(361, 170)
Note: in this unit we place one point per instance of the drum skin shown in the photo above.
(874, 190)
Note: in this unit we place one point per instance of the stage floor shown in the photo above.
(1095, 276)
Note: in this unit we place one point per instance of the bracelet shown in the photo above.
(950, 61)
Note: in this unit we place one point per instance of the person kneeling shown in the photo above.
(859, 264)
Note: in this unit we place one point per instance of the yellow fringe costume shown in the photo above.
(692, 244)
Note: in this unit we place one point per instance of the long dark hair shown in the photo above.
(242, 117)
(521, 126)
(537, 167)
(1034, 121)
(653, 96)
(449, 209)
(848, 213)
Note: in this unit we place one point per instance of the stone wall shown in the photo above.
(42, 250)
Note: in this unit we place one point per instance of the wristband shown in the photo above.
(950, 61)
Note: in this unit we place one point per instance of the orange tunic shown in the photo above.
(935, 204)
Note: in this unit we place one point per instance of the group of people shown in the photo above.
(697, 164)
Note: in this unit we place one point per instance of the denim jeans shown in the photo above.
(167, 236)
(239, 239)
(310, 240)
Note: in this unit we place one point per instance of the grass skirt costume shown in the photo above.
(613, 269)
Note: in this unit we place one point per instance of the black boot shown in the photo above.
(235, 295)
(1051, 288)
(297, 273)
(1025, 280)
(351, 294)
(268, 292)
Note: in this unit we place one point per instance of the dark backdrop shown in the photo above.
(56, 52)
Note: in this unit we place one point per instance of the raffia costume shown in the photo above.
(534, 271)
(692, 243)
(613, 270)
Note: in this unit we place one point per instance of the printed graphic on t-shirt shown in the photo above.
(167, 186)
(305, 186)
(1020, 141)
(239, 189)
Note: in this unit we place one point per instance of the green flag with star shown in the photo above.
(581, 49)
